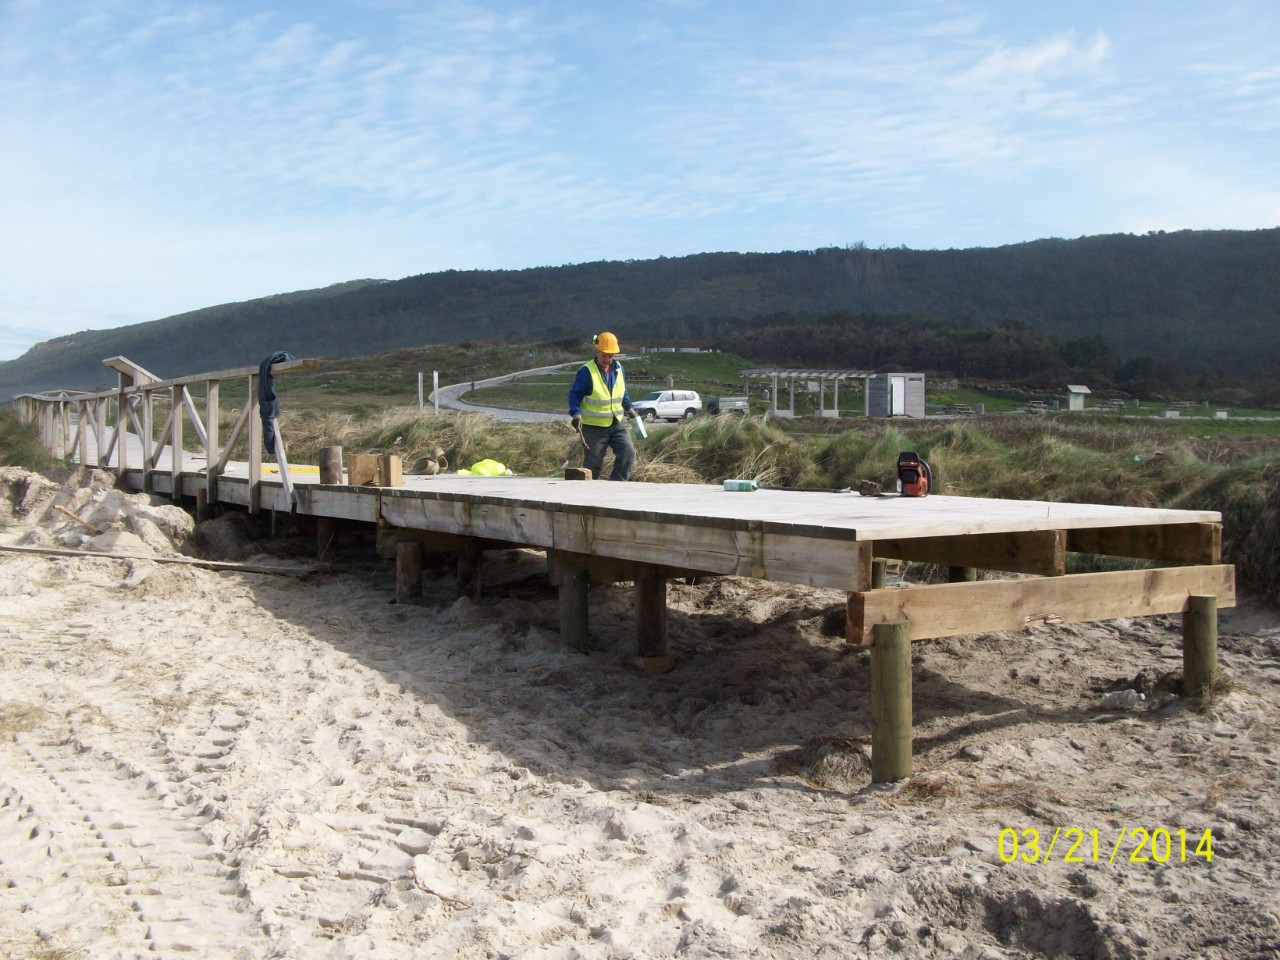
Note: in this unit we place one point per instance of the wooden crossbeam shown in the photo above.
(1039, 552)
(1173, 542)
(601, 570)
(951, 609)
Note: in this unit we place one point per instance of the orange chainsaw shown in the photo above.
(914, 475)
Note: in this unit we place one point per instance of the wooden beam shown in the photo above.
(1172, 542)
(1039, 552)
(602, 570)
(950, 609)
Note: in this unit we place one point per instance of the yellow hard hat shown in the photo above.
(606, 342)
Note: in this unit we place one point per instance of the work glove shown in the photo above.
(576, 420)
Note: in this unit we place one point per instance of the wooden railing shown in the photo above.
(67, 420)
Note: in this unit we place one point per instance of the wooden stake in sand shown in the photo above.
(84, 523)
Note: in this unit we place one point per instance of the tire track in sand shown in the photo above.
(118, 855)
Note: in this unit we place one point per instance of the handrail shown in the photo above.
(91, 411)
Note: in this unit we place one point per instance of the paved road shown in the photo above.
(450, 397)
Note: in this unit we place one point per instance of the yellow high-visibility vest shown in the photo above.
(600, 408)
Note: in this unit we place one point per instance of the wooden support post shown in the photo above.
(408, 571)
(148, 438)
(891, 702)
(879, 573)
(962, 575)
(100, 432)
(573, 608)
(177, 420)
(651, 619)
(202, 505)
(331, 465)
(470, 561)
(326, 539)
(212, 450)
(82, 417)
(1199, 645)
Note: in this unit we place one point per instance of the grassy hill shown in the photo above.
(1202, 303)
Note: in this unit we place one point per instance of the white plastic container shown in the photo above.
(638, 423)
(1123, 699)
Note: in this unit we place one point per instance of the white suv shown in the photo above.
(669, 405)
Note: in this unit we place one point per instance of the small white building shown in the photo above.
(1075, 396)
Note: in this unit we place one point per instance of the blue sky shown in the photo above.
(158, 156)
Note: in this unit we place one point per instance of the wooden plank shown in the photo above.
(1039, 552)
(327, 501)
(192, 412)
(950, 609)
(1171, 542)
(508, 522)
(236, 374)
(843, 564)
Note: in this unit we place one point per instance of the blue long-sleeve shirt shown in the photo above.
(582, 386)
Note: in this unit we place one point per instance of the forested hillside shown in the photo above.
(1193, 307)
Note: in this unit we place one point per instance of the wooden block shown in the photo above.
(577, 473)
(391, 470)
(653, 665)
(362, 470)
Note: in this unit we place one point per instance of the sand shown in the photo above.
(219, 764)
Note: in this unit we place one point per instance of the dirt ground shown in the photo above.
(220, 764)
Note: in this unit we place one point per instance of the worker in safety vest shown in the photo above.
(598, 406)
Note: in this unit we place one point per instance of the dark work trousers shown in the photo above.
(616, 438)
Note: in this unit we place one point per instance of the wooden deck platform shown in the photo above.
(597, 531)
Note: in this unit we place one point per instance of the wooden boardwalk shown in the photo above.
(596, 532)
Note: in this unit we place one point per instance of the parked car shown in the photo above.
(728, 405)
(669, 405)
